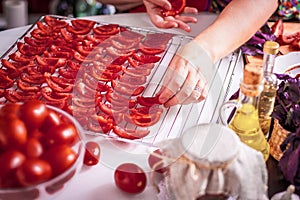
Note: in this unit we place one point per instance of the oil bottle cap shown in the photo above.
(271, 47)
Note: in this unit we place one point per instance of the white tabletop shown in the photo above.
(97, 182)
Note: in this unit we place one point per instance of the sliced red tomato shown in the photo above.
(146, 58)
(79, 31)
(97, 39)
(130, 133)
(109, 29)
(50, 96)
(57, 62)
(137, 64)
(177, 8)
(157, 39)
(33, 78)
(82, 23)
(133, 80)
(55, 87)
(19, 57)
(119, 52)
(5, 82)
(20, 96)
(129, 91)
(54, 22)
(25, 87)
(37, 43)
(68, 73)
(41, 35)
(148, 101)
(63, 55)
(151, 50)
(136, 72)
(29, 50)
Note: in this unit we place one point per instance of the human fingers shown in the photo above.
(185, 91)
(173, 79)
(199, 93)
(186, 19)
(190, 10)
(161, 3)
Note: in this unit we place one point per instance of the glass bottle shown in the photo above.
(267, 96)
(245, 122)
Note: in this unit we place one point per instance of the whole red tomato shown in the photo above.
(33, 113)
(130, 178)
(13, 133)
(33, 148)
(61, 157)
(92, 153)
(10, 161)
(51, 120)
(64, 133)
(33, 171)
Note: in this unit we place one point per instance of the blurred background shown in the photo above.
(288, 10)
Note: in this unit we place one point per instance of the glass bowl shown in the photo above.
(55, 186)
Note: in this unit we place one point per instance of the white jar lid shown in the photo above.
(212, 143)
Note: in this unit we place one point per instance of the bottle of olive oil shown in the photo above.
(245, 122)
(267, 96)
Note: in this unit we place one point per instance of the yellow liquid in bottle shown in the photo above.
(246, 125)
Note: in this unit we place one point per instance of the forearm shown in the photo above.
(234, 26)
(123, 5)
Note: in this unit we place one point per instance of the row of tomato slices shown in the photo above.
(97, 72)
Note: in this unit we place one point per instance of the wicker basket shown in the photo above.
(278, 135)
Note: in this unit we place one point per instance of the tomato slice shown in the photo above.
(20, 96)
(32, 78)
(148, 101)
(5, 82)
(80, 31)
(37, 43)
(29, 50)
(19, 57)
(109, 29)
(146, 58)
(92, 153)
(27, 87)
(177, 8)
(130, 133)
(119, 52)
(82, 23)
(53, 22)
(57, 62)
(137, 64)
(146, 49)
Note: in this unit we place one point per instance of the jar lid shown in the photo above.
(271, 47)
(213, 143)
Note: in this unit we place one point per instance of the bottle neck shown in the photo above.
(268, 63)
(249, 94)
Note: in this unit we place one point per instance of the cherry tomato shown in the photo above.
(61, 157)
(177, 8)
(10, 161)
(92, 153)
(33, 171)
(64, 133)
(155, 162)
(33, 113)
(51, 120)
(13, 132)
(130, 178)
(33, 147)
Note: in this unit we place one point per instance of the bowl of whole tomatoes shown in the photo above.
(41, 150)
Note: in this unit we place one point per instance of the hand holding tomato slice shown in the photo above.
(165, 14)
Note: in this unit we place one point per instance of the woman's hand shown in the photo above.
(182, 84)
(189, 74)
(154, 10)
